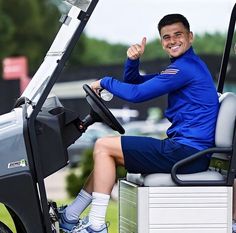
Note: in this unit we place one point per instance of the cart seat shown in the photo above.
(165, 180)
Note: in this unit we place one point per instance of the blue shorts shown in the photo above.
(150, 155)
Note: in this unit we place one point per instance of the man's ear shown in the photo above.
(191, 37)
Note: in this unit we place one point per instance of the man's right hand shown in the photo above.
(136, 51)
(95, 86)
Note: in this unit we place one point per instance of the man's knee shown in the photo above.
(101, 142)
(100, 147)
(108, 147)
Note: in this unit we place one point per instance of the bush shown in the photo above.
(74, 182)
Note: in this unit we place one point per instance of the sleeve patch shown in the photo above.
(170, 71)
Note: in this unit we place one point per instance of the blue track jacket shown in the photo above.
(192, 98)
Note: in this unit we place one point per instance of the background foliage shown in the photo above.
(28, 28)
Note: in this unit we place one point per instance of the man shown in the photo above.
(192, 110)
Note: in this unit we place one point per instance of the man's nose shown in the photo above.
(172, 39)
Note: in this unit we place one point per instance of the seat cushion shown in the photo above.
(164, 179)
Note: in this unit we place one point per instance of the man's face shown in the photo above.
(175, 39)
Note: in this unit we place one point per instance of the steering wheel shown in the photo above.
(100, 110)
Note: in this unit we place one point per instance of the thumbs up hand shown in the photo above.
(136, 51)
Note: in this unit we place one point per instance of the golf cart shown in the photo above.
(183, 203)
(35, 135)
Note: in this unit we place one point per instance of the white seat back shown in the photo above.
(226, 120)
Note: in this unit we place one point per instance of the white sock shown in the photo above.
(97, 213)
(82, 201)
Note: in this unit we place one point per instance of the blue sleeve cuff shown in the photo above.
(130, 62)
(103, 82)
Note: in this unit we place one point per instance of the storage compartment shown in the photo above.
(174, 209)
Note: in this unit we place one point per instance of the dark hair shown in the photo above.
(173, 18)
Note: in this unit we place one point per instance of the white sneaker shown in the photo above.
(86, 227)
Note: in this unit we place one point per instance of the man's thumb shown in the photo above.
(143, 43)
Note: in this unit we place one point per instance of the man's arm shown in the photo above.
(159, 85)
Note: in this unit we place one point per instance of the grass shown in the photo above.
(112, 216)
(6, 218)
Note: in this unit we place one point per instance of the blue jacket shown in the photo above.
(192, 98)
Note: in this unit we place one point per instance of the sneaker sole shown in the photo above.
(64, 231)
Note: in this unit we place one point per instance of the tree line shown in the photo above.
(28, 27)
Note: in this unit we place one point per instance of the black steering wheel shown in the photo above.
(100, 110)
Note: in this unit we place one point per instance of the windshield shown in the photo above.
(48, 72)
(42, 77)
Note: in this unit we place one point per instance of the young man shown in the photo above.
(192, 110)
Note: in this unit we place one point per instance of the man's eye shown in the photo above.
(166, 38)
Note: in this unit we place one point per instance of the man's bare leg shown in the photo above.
(107, 155)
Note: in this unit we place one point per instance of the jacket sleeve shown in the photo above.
(132, 74)
(159, 85)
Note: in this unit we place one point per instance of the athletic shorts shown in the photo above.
(150, 155)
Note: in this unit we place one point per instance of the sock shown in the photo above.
(82, 201)
(98, 209)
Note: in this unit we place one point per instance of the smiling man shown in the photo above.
(176, 38)
(192, 110)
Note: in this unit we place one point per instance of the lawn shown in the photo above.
(112, 216)
(6, 218)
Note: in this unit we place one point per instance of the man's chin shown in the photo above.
(175, 54)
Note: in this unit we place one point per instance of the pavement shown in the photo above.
(56, 185)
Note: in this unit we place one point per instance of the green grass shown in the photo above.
(111, 217)
(6, 218)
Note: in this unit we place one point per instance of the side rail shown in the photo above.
(231, 170)
(174, 174)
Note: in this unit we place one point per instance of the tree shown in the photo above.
(28, 28)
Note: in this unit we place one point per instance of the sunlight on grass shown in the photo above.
(6, 218)
(112, 217)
